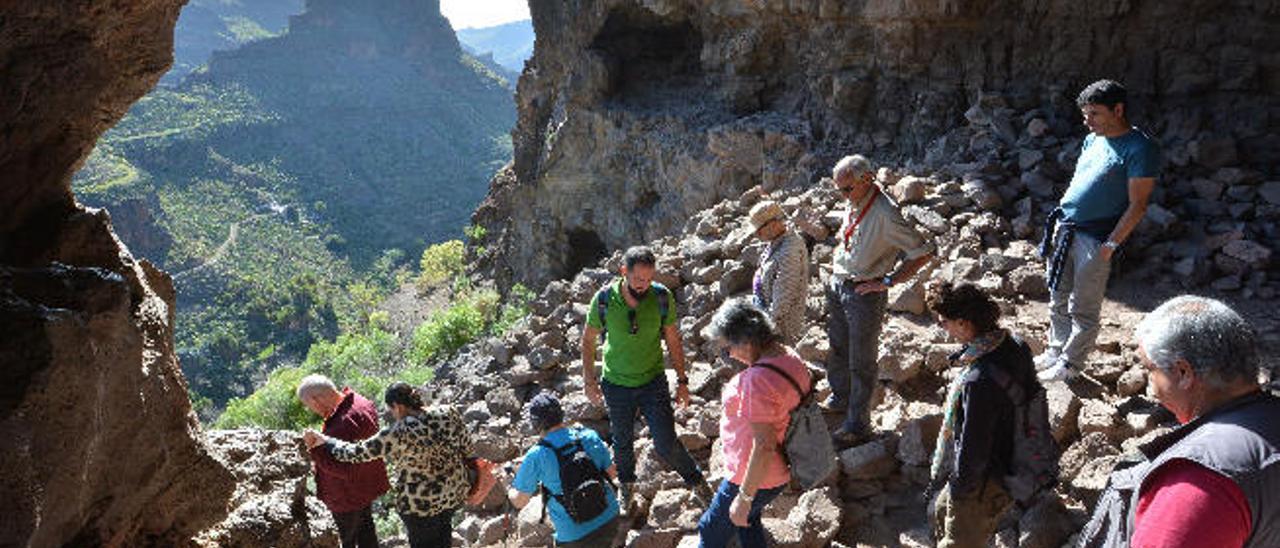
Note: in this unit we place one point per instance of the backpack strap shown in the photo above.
(606, 294)
(803, 395)
(602, 307)
(664, 304)
(1014, 390)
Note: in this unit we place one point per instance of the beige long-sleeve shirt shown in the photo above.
(880, 240)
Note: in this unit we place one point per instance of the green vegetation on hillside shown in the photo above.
(284, 186)
(368, 358)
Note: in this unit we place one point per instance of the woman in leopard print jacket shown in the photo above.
(426, 448)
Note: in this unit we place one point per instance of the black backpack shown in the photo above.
(1034, 467)
(584, 494)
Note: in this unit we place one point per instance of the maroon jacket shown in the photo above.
(341, 486)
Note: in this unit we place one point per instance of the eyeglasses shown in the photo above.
(846, 190)
(635, 327)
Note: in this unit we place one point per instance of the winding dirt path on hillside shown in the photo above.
(223, 248)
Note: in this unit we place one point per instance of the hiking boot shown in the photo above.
(1062, 371)
(703, 493)
(1045, 360)
(834, 405)
(844, 439)
(626, 495)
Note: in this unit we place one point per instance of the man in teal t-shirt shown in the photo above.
(1107, 198)
(636, 323)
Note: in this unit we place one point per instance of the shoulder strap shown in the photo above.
(664, 304)
(784, 374)
(602, 306)
(1006, 382)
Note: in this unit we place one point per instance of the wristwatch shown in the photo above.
(1111, 244)
(745, 497)
(887, 280)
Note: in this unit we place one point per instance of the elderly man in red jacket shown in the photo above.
(347, 489)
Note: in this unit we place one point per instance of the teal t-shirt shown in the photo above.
(1099, 190)
(632, 360)
(541, 467)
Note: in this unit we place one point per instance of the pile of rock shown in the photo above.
(981, 192)
(1211, 219)
(713, 259)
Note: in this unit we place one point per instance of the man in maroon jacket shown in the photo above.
(347, 489)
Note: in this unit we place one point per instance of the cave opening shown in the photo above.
(585, 249)
(647, 53)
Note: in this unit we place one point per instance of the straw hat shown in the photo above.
(764, 212)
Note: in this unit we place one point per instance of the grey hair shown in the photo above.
(1211, 337)
(853, 165)
(740, 321)
(315, 383)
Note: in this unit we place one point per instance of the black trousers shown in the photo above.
(429, 531)
(356, 528)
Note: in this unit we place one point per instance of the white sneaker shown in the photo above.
(1046, 360)
(1060, 372)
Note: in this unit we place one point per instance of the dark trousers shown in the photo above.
(715, 529)
(853, 326)
(356, 528)
(429, 531)
(653, 400)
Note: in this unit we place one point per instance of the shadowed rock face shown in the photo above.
(101, 444)
(71, 69)
(633, 115)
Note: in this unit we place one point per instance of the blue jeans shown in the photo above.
(853, 327)
(653, 400)
(715, 529)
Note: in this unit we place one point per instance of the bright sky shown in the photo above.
(483, 13)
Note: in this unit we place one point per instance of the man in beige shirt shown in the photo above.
(875, 249)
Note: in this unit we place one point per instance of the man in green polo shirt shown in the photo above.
(636, 321)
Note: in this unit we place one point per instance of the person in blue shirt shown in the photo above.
(1106, 200)
(541, 468)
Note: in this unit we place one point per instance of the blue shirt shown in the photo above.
(1099, 191)
(541, 467)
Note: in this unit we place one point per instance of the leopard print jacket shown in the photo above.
(427, 455)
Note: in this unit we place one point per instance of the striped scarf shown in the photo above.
(968, 358)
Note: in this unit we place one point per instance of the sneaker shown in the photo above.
(626, 495)
(704, 493)
(1063, 371)
(1045, 360)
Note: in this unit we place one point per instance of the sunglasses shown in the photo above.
(846, 190)
(635, 327)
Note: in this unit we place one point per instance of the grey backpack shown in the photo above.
(1035, 452)
(807, 445)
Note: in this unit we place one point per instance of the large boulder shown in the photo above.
(271, 505)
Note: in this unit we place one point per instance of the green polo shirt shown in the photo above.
(632, 360)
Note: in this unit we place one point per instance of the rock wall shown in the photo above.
(101, 445)
(634, 114)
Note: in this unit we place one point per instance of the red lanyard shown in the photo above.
(848, 232)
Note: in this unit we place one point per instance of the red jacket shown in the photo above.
(341, 486)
